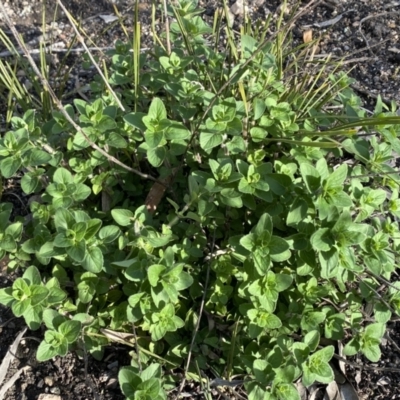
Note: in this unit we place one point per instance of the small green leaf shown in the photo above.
(209, 140)
(156, 156)
(322, 239)
(154, 272)
(157, 109)
(45, 351)
(154, 139)
(77, 251)
(70, 330)
(93, 260)
(337, 177)
(9, 166)
(109, 233)
(311, 177)
(62, 175)
(122, 217)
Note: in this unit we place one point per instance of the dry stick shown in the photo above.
(137, 349)
(196, 329)
(54, 49)
(82, 41)
(373, 16)
(382, 279)
(167, 28)
(59, 105)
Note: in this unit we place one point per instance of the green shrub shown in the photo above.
(244, 221)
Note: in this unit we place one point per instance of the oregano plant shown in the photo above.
(256, 227)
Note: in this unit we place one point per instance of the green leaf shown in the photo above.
(154, 272)
(176, 131)
(297, 212)
(322, 239)
(45, 351)
(209, 140)
(249, 241)
(259, 108)
(136, 120)
(77, 251)
(38, 294)
(264, 228)
(318, 364)
(157, 110)
(154, 139)
(329, 263)
(92, 227)
(70, 330)
(334, 326)
(311, 339)
(9, 166)
(109, 233)
(375, 330)
(116, 140)
(62, 175)
(245, 187)
(93, 260)
(32, 275)
(352, 347)
(336, 178)
(261, 370)
(312, 320)
(6, 297)
(282, 282)
(286, 391)
(122, 217)
(311, 177)
(279, 249)
(156, 156)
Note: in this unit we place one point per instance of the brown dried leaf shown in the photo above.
(301, 389)
(307, 36)
(342, 364)
(332, 392)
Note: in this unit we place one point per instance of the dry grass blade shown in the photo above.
(11, 381)
(8, 359)
(81, 40)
